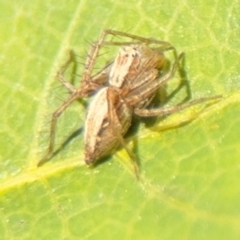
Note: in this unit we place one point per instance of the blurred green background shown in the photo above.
(189, 186)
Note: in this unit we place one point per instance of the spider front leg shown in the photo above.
(55, 117)
(89, 85)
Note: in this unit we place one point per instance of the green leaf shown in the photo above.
(189, 187)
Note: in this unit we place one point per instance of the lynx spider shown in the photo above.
(124, 87)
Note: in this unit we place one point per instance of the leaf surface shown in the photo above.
(189, 187)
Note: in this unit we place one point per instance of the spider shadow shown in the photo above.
(70, 138)
(160, 100)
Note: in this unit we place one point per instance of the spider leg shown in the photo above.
(111, 107)
(139, 39)
(166, 111)
(55, 117)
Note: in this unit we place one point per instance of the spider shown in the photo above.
(124, 87)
